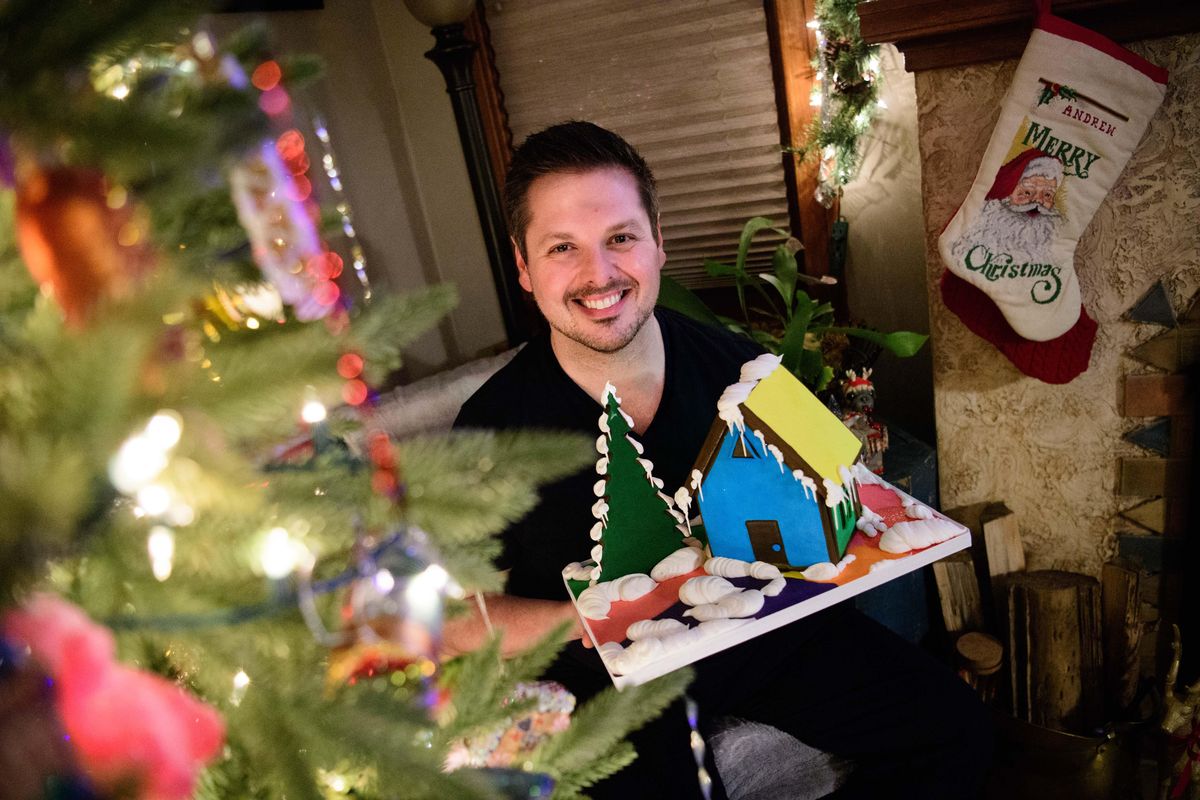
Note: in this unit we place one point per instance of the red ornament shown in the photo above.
(80, 239)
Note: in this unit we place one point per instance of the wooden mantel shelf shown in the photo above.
(949, 33)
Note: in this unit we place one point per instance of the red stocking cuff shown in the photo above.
(1058, 360)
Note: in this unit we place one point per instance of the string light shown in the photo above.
(160, 544)
(846, 86)
(154, 499)
(143, 456)
(279, 554)
(241, 681)
(313, 410)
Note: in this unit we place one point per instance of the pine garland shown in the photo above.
(847, 91)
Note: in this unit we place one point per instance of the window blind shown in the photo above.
(687, 82)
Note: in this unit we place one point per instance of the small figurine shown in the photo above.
(858, 393)
(1181, 723)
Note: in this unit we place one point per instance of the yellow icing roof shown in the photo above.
(796, 415)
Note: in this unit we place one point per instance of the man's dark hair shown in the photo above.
(571, 147)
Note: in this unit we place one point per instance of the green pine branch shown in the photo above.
(575, 756)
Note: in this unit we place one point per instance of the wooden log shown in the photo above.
(958, 593)
(1054, 646)
(996, 550)
(1121, 600)
(1002, 540)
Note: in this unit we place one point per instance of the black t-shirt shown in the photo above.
(532, 391)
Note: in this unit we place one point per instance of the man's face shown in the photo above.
(1034, 193)
(593, 256)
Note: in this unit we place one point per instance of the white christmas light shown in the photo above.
(154, 499)
(164, 429)
(180, 514)
(813, 25)
(313, 410)
(279, 552)
(138, 462)
(161, 546)
(240, 681)
(384, 581)
(119, 92)
(252, 323)
(424, 591)
(814, 98)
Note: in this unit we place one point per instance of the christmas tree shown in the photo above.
(638, 526)
(200, 593)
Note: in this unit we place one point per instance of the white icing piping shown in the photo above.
(917, 534)
(773, 450)
(825, 571)
(810, 486)
(834, 494)
(600, 510)
(870, 523)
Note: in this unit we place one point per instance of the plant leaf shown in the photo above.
(716, 269)
(783, 261)
(674, 295)
(901, 343)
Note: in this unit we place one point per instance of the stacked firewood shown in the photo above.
(1053, 648)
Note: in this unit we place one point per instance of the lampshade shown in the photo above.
(436, 13)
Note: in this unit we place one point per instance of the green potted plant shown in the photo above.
(791, 323)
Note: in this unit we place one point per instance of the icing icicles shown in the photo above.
(775, 451)
(834, 494)
(810, 486)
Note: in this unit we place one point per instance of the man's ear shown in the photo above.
(522, 267)
(662, 254)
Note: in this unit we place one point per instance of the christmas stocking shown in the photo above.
(1078, 105)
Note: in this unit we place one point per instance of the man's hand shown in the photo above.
(521, 622)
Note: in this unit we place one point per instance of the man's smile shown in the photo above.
(603, 301)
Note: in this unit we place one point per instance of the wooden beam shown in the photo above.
(945, 33)
(1156, 396)
(490, 97)
(1153, 477)
(794, 47)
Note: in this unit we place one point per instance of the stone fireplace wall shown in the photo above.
(1051, 452)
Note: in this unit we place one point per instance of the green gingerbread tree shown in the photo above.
(638, 524)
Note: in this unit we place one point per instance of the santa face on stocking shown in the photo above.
(1012, 238)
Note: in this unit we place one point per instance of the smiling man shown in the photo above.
(583, 215)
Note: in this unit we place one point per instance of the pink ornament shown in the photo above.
(125, 725)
